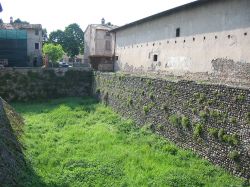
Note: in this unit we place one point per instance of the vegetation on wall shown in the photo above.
(192, 115)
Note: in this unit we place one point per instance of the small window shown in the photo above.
(229, 36)
(36, 45)
(107, 33)
(184, 41)
(155, 58)
(245, 34)
(193, 39)
(216, 37)
(204, 38)
(116, 57)
(108, 45)
(178, 32)
(36, 32)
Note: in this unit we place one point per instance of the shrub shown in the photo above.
(233, 120)
(213, 132)
(130, 101)
(194, 110)
(215, 113)
(203, 115)
(221, 134)
(165, 108)
(248, 118)
(198, 130)
(175, 120)
(241, 97)
(146, 109)
(185, 122)
(231, 139)
(151, 96)
(149, 82)
(234, 155)
(143, 93)
(160, 127)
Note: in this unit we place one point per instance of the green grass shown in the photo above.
(78, 142)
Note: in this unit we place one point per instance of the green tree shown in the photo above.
(20, 21)
(57, 37)
(75, 36)
(71, 39)
(54, 52)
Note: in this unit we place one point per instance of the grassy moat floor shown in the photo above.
(79, 142)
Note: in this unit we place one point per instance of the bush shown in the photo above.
(241, 97)
(130, 101)
(151, 96)
(175, 120)
(198, 130)
(203, 115)
(185, 122)
(233, 120)
(165, 108)
(234, 155)
(213, 132)
(146, 109)
(231, 139)
(221, 134)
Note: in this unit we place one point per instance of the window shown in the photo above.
(155, 58)
(178, 31)
(108, 45)
(116, 57)
(36, 32)
(36, 45)
(107, 33)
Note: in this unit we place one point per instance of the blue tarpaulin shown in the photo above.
(1, 9)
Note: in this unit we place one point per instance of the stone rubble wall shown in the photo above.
(212, 120)
(24, 84)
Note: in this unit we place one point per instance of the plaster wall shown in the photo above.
(95, 42)
(32, 38)
(215, 30)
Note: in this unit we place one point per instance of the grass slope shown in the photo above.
(78, 142)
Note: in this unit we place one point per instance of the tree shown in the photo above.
(44, 35)
(71, 39)
(74, 33)
(54, 52)
(20, 21)
(57, 37)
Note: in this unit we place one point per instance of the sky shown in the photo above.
(57, 14)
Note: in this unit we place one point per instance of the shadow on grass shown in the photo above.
(45, 106)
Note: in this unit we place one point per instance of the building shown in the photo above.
(21, 44)
(205, 36)
(99, 46)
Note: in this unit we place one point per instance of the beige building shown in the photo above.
(30, 34)
(99, 46)
(205, 36)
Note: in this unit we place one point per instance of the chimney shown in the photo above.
(11, 19)
(103, 21)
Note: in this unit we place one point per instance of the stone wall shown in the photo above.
(212, 120)
(25, 84)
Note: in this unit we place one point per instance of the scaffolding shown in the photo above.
(13, 47)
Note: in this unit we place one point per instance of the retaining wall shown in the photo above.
(25, 84)
(212, 120)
